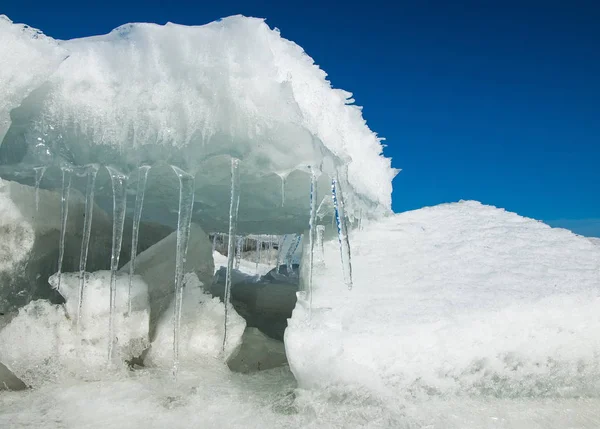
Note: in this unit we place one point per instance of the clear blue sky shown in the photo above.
(497, 101)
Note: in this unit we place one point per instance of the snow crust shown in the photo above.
(454, 299)
(192, 97)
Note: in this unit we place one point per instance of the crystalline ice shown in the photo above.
(186, 205)
(64, 213)
(137, 216)
(119, 187)
(338, 203)
(188, 96)
(91, 172)
(233, 214)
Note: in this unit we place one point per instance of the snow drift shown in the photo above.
(191, 97)
(454, 299)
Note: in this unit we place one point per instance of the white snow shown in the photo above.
(454, 299)
(194, 97)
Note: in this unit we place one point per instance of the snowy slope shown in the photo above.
(193, 97)
(457, 298)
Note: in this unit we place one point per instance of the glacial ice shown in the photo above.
(192, 97)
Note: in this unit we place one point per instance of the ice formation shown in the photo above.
(192, 97)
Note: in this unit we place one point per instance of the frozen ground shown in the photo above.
(462, 316)
(216, 398)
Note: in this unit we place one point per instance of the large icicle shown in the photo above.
(119, 187)
(289, 257)
(258, 254)
(91, 171)
(311, 235)
(234, 204)
(338, 204)
(319, 243)
(283, 176)
(64, 213)
(238, 251)
(39, 173)
(184, 221)
(135, 230)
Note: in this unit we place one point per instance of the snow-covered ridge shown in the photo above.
(188, 96)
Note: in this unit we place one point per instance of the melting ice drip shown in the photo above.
(238, 251)
(338, 204)
(311, 235)
(234, 205)
(184, 222)
(259, 244)
(39, 173)
(91, 171)
(119, 187)
(135, 230)
(64, 213)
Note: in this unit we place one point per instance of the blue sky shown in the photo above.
(497, 101)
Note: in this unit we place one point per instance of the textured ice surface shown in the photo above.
(459, 298)
(193, 97)
(201, 330)
(41, 344)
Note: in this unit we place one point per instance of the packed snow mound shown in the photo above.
(455, 299)
(192, 97)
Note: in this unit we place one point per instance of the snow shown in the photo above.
(194, 97)
(454, 299)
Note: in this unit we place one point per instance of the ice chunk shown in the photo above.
(41, 344)
(156, 265)
(201, 331)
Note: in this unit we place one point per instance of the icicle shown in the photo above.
(270, 256)
(91, 172)
(234, 205)
(119, 188)
(283, 176)
(258, 251)
(280, 254)
(214, 242)
(64, 213)
(289, 257)
(184, 222)
(238, 251)
(338, 204)
(311, 235)
(319, 244)
(135, 229)
(39, 173)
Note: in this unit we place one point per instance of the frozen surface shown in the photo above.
(459, 299)
(193, 97)
(216, 398)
